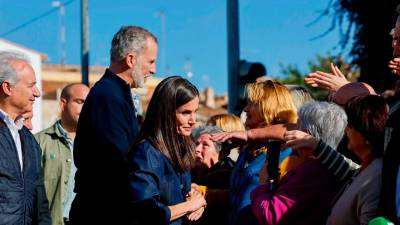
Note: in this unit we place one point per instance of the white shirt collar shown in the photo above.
(18, 124)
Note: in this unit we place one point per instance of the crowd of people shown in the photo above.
(293, 160)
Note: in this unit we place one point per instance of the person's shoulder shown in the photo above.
(375, 168)
(145, 152)
(147, 148)
(311, 168)
(29, 140)
(142, 146)
(45, 132)
(106, 90)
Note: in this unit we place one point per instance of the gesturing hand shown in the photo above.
(329, 81)
(394, 64)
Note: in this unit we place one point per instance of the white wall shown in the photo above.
(36, 62)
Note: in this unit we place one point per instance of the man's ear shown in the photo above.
(6, 88)
(130, 60)
(63, 103)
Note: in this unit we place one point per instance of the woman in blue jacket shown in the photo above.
(268, 103)
(161, 157)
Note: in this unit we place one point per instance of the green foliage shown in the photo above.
(365, 25)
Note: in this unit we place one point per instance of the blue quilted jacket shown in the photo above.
(22, 196)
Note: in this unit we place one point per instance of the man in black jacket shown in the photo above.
(107, 127)
(22, 195)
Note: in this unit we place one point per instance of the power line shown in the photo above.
(33, 20)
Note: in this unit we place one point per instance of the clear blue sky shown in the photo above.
(271, 32)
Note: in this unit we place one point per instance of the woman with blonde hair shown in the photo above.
(228, 123)
(268, 103)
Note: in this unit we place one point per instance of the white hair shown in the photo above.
(7, 71)
(323, 120)
(197, 132)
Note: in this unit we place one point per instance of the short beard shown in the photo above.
(137, 76)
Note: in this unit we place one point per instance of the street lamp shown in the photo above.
(61, 6)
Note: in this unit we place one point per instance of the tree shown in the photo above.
(367, 23)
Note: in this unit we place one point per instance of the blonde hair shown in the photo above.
(227, 122)
(274, 102)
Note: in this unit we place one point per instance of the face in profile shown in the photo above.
(72, 107)
(28, 120)
(186, 117)
(253, 116)
(206, 154)
(356, 142)
(145, 64)
(24, 91)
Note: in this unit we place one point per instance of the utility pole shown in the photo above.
(161, 14)
(233, 55)
(61, 6)
(85, 42)
(187, 67)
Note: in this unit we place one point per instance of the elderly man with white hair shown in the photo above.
(22, 195)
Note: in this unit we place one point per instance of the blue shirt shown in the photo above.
(70, 195)
(245, 178)
(155, 185)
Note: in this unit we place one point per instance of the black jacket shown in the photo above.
(391, 162)
(22, 197)
(107, 127)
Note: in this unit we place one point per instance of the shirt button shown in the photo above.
(69, 160)
(65, 182)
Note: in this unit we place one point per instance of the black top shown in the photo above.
(107, 127)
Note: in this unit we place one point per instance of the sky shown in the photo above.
(271, 32)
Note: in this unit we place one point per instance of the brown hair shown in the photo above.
(160, 127)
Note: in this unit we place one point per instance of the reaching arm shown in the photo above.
(259, 134)
(340, 166)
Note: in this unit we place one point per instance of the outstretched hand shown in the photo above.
(236, 138)
(328, 81)
(300, 141)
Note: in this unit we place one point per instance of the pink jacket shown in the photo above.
(303, 197)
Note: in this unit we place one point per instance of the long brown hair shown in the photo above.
(160, 127)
